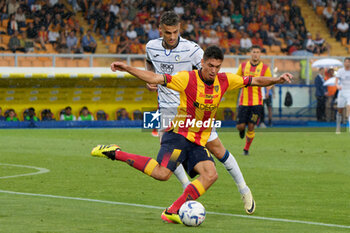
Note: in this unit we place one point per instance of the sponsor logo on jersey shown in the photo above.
(208, 96)
(205, 107)
(167, 68)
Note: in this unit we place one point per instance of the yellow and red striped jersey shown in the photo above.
(252, 95)
(199, 101)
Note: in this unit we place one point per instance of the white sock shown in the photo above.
(232, 167)
(181, 176)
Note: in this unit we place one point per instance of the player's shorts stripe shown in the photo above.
(175, 155)
(165, 160)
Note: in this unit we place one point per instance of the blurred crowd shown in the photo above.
(129, 24)
(336, 14)
(32, 26)
(233, 25)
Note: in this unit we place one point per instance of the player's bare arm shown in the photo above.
(150, 67)
(267, 81)
(144, 75)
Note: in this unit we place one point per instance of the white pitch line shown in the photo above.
(158, 207)
(40, 170)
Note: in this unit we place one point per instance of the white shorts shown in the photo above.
(343, 100)
(167, 115)
(213, 135)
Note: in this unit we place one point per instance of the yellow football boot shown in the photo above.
(171, 218)
(105, 151)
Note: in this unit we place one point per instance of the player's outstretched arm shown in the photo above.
(144, 75)
(267, 81)
(150, 67)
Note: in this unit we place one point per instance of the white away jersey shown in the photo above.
(186, 56)
(344, 77)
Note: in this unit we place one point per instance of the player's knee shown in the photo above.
(240, 127)
(211, 177)
(162, 174)
(216, 148)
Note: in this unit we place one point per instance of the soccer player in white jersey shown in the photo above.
(169, 55)
(342, 83)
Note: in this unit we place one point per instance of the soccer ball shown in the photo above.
(192, 213)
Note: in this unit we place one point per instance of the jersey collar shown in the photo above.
(178, 41)
(208, 83)
(253, 64)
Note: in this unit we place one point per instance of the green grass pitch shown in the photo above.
(301, 176)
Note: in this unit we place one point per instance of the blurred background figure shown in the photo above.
(47, 115)
(85, 115)
(2, 118)
(66, 115)
(122, 114)
(321, 93)
(11, 115)
(331, 96)
(29, 115)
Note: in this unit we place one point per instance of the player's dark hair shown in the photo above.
(169, 18)
(347, 58)
(255, 47)
(214, 52)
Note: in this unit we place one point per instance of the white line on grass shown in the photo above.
(40, 170)
(158, 207)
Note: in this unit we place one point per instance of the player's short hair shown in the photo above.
(214, 52)
(169, 18)
(347, 58)
(255, 47)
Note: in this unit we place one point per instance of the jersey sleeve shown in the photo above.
(196, 56)
(268, 72)
(239, 71)
(177, 82)
(339, 74)
(148, 57)
(236, 81)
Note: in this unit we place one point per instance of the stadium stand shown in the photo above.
(323, 17)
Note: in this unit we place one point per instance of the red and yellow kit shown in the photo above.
(199, 101)
(252, 95)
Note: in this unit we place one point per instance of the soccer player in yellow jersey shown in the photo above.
(251, 99)
(184, 142)
(171, 54)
